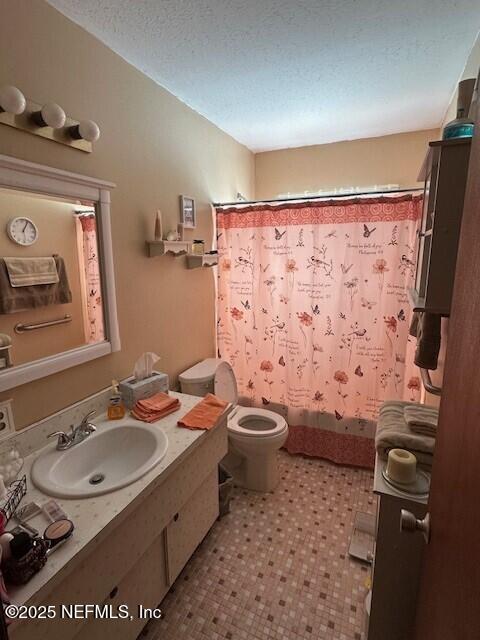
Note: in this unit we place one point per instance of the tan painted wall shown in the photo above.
(56, 234)
(154, 148)
(357, 163)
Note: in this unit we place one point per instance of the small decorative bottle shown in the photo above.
(116, 408)
(158, 226)
(198, 247)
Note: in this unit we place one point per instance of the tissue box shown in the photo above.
(133, 390)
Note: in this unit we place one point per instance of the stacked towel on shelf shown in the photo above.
(421, 419)
(393, 432)
(204, 415)
(156, 407)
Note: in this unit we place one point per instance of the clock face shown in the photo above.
(22, 231)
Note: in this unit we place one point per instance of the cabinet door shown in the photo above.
(190, 525)
(93, 579)
(145, 584)
(445, 180)
(396, 572)
(426, 225)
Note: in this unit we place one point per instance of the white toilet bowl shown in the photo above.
(254, 435)
(257, 435)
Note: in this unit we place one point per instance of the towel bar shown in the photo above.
(22, 328)
(428, 384)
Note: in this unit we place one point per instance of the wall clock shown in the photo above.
(22, 230)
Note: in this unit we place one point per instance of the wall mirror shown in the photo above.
(57, 287)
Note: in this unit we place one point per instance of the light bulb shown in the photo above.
(87, 130)
(51, 115)
(12, 100)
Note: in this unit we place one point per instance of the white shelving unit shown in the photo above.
(162, 247)
(397, 562)
(194, 261)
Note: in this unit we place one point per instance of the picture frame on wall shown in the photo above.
(188, 214)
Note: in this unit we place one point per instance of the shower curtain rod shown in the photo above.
(307, 198)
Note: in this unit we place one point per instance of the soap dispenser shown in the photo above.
(116, 408)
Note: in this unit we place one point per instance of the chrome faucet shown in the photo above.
(78, 434)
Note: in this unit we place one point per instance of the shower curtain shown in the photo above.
(90, 278)
(313, 315)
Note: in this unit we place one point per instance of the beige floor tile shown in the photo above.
(277, 567)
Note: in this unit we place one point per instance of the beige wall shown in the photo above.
(154, 148)
(393, 159)
(56, 234)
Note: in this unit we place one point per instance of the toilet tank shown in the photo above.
(199, 379)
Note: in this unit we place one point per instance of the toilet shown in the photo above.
(254, 435)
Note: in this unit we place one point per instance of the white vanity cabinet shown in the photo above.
(143, 584)
(138, 558)
(397, 564)
(190, 525)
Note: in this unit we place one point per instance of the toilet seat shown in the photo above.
(245, 421)
(256, 423)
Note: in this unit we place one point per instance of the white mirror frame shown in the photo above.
(38, 178)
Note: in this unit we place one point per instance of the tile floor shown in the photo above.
(277, 566)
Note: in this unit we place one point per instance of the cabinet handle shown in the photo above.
(175, 517)
(113, 592)
(410, 523)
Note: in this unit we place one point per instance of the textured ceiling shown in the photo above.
(285, 73)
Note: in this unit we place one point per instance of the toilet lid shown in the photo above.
(225, 384)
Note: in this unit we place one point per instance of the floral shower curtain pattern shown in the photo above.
(87, 229)
(313, 315)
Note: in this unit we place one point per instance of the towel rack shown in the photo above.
(428, 384)
(22, 328)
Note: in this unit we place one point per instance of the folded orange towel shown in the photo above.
(205, 414)
(157, 402)
(153, 417)
(155, 408)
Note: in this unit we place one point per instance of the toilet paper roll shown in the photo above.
(401, 466)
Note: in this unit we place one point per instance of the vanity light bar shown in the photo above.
(48, 120)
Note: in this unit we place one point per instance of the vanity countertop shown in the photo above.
(94, 517)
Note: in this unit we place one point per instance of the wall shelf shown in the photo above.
(161, 247)
(195, 261)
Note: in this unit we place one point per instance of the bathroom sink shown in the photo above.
(114, 456)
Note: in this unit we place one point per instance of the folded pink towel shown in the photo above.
(205, 414)
(156, 407)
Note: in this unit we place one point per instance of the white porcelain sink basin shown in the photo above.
(116, 455)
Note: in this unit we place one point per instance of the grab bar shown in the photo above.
(22, 328)
(428, 384)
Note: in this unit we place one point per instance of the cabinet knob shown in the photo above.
(409, 524)
(113, 592)
(175, 517)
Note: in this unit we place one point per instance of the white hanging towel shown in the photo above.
(25, 272)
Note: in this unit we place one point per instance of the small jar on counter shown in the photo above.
(198, 247)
